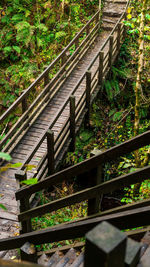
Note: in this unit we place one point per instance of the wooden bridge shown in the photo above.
(48, 126)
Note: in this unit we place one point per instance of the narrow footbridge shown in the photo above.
(48, 125)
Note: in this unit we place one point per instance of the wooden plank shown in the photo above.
(104, 188)
(87, 165)
(122, 220)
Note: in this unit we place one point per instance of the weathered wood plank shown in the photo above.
(122, 220)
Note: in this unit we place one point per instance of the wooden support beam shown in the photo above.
(105, 246)
(76, 43)
(50, 152)
(88, 98)
(24, 105)
(87, 29)
(111, 38)
(46, 79)
(101, 61)
(95, 178)
(24, 205)
(72, 123)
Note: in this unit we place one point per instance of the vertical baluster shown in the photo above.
(46, 79)
(87, 29)
(88, 98)
(76, 43)
(95, 178)
(72, 123)
(50, 152)
(101, 61)
(24, 105)
(110, 50)
(24, 203)
(63, 59)
(118, 37)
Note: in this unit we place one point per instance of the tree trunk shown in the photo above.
(138, 87)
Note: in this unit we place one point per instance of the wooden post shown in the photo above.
(101, 61)
(50, 152)
(97, 18)
(46, 79)
(76, 43)
(118, 37)
(88, 98)
(105, 246)
(28, 252)
(110, 50)
(26, 226)
(24, 105)
(95, 178)
(87, 30)
(63, 59)
(72, 123)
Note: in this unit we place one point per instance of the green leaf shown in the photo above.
(16, 165)
(42, 27)
(5, 156)
(117, 116)
(16, 18)
(17, 49)
(3, 207)
(59, 35)
(7, 49)
(30, 181)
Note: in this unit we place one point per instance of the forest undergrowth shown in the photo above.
(32, 34)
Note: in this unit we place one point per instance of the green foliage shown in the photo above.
(30, 181)
(32, 35)
(5, 156)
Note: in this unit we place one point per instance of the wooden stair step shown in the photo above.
(79, 261)
(68, 259)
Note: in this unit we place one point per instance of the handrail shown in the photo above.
(122, 220)
(89, 193)
(87, 165)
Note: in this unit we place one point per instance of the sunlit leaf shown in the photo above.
(129, 16)
(5, 156)
(30, 181)
(2, 207)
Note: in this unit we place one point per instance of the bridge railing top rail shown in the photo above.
(87, 165)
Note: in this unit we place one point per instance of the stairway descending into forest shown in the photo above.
(30, 146)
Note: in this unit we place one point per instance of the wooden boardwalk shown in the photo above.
(28, 145)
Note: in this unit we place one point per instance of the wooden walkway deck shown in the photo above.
(53, 111)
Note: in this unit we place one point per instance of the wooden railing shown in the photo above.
(96, 189)
(93, 83)
(113, 248)
(66, 62)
